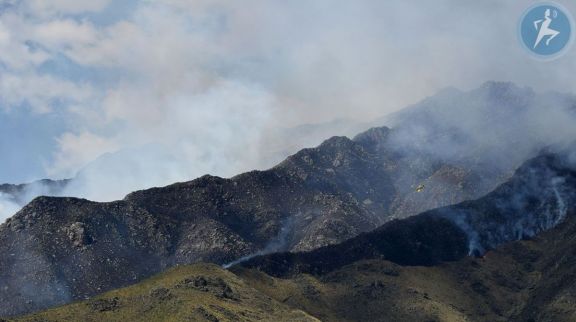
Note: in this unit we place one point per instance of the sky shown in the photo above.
(140, 93)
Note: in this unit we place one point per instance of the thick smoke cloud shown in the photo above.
(498, 124)
(157, 92)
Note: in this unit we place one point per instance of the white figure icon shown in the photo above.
(545, 29)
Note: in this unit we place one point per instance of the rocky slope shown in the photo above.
(538, 197)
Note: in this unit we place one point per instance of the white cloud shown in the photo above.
(25, 46)
(55, 7)
(60, 34)
(16, 53)
(40, 91)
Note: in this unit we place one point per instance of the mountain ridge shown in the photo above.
(316, 197)
(537, 198)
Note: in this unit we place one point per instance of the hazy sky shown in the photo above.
(184, 88)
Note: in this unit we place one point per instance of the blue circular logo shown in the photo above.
(546, 30)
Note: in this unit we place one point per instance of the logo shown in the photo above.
(546, 30)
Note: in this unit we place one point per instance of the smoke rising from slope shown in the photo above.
(542, 195)
(278, 244)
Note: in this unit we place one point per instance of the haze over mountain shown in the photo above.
(14, 196)
(450, 127)
(113, 175)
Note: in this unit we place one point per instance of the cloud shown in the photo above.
(182, 136)
(40, 92)
(56, 7)
(76, 150)
(59, 34)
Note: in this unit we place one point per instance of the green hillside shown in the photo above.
(202, 292)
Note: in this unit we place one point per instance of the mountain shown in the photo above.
(113, 175)
(60, 249)
(538, 197)
(57, 250)
(527, 280)
(15, 196)
(19, 192)
(415, 269)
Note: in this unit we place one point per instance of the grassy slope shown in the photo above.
(531, 280)
(365, 291)
(173, 296)
(378, 291)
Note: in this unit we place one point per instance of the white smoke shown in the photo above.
(278, 244)
(13, 199)
(536, 200)
(216, 131)
(7, 207)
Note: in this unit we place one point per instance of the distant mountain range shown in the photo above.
(23, 193)
(452, 147)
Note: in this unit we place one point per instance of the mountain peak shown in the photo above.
(504, 91)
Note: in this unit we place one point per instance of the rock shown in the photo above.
(105, 305)
(161, 294)
(215, 286)
(77, 233)
(204, 314)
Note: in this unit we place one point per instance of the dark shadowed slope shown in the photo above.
(524, 281)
